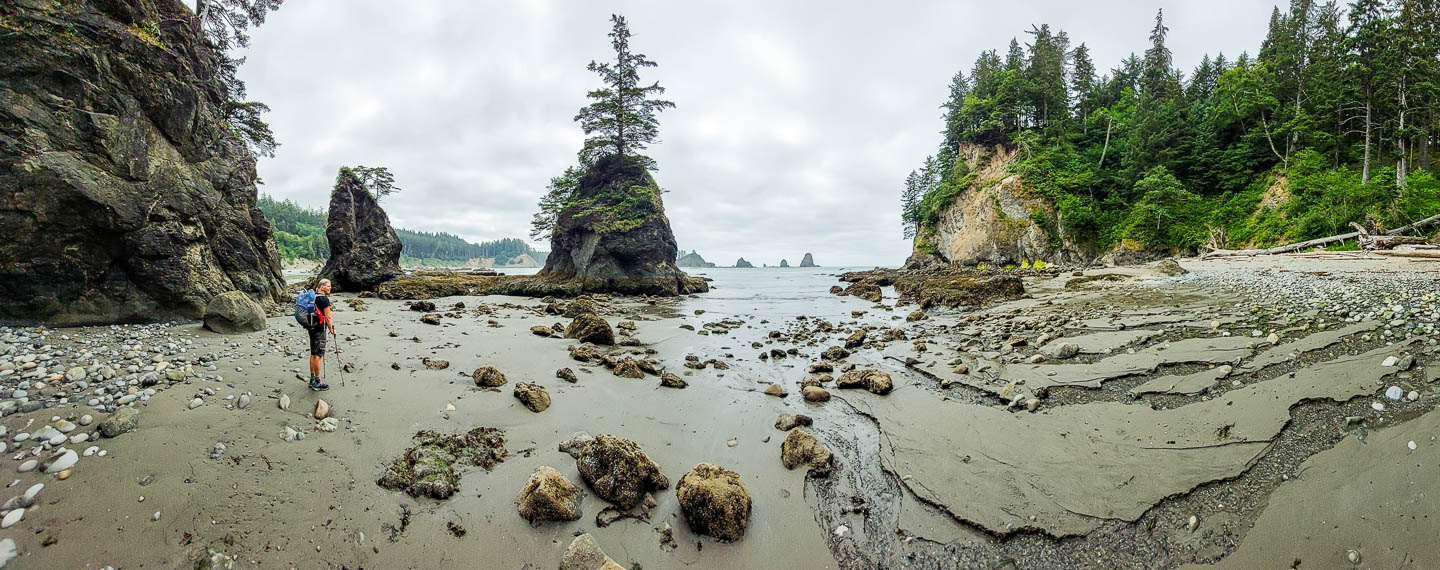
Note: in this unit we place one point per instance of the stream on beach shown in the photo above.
(1144, 420)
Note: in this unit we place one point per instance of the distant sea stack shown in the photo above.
(124, 196)
(693, 259)
(809, 261)
(614, 236)
(741, 263)
(364, 250)
(784, 263)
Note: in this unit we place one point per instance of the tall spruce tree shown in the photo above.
(622, 117)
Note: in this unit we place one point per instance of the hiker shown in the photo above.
(312, 311)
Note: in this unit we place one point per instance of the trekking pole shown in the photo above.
(341, 365)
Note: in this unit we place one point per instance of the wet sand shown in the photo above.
(928, 476)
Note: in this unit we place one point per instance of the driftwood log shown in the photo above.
(1327, 240)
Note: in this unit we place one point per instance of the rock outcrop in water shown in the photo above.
(808, 261)
(364, 250)
(614, 236)
(124, 195)
(693, 259)
(742, 264)
(784, 263)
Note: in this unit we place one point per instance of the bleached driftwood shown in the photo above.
(1325, 241)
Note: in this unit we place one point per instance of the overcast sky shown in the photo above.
(795, 125)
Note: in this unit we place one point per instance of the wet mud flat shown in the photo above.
(1240, 415)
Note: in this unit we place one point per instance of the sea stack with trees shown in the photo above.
(364, 249)
(605, 217)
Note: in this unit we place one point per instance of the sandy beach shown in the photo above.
(951, 469)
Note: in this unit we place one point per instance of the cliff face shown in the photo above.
(364, 250)
(614, 236)
(124, 197)
(996, 220)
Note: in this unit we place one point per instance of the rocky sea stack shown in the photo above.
(808, 261)
(124, 195)
(364, 250)
(742, 264)
(614, 236)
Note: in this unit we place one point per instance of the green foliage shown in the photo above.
(147, 31)
(300, 234)
(1338, 109)
(622, 118)
(376, 180)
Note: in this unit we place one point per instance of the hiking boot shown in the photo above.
(317, 385)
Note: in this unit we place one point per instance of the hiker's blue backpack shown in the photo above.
(305, 313)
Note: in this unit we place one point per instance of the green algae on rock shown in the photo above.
(429, 468)
(715, 502)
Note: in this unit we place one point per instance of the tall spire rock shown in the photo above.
(364, 249)
(124, 196)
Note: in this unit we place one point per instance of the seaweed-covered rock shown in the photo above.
(428, 468)
(549, 496)
(585, 554)
(669, 380)
(364, 249)
(590, 328)
(422, 306)
(873, 380)
(835, 353)
(488, 377)
(618, 471)
(715, 502)
(958, 290)
(125, 195)
(234, 312)
(580, 307)
(867, 290)
(533, 396)
(801, 448)
(567, 375)
(614, 235)
(855, 339)
(430, 319)
(628, 368)
(916, 315)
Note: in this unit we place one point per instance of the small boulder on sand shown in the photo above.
(533, 396)
(855, 339)
(801, 448)
(815, 394)
(579, 307)
(541, 330)
(618, 471)
(669, 380)
(124, 420)
(787, 422)
(776, 390)
(585, 554)
(322, 409)
(488, 377)
(567, 375)
(715, 502)
(549, 496)
(590, 328)
(873, 380)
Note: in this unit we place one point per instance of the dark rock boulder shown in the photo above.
(617, 470)
(808, 261)
(614, 235)
(784, 263)
(364, 250)
(124, 195)
(234, 312)
(742, 264)
(590, 328)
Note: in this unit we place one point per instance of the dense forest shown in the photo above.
(300, 234)
(1331, 121)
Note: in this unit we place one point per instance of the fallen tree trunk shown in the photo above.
(1317, 242)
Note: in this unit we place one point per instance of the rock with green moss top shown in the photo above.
(617, 470)
(549, 496)
(590, 328)
(613, 235)
(579, 307)
(429, 468)
(715, 502)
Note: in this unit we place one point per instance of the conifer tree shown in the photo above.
(621, 120)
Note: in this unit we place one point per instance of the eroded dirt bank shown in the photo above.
(1079, 426)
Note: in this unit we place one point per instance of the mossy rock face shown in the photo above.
(618, 471)
(867, 290)
(429, 468)
(715, 502)
(590, 328)
(1087, 280)
(959, 291)
(613, 235)
(549, 496)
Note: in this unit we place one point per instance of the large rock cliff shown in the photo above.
(364, 249)
(614, 236)
(124, 196)
(996, 220)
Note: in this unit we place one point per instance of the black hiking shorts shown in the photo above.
(317, 340)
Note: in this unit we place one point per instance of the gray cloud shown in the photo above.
(796, 122)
